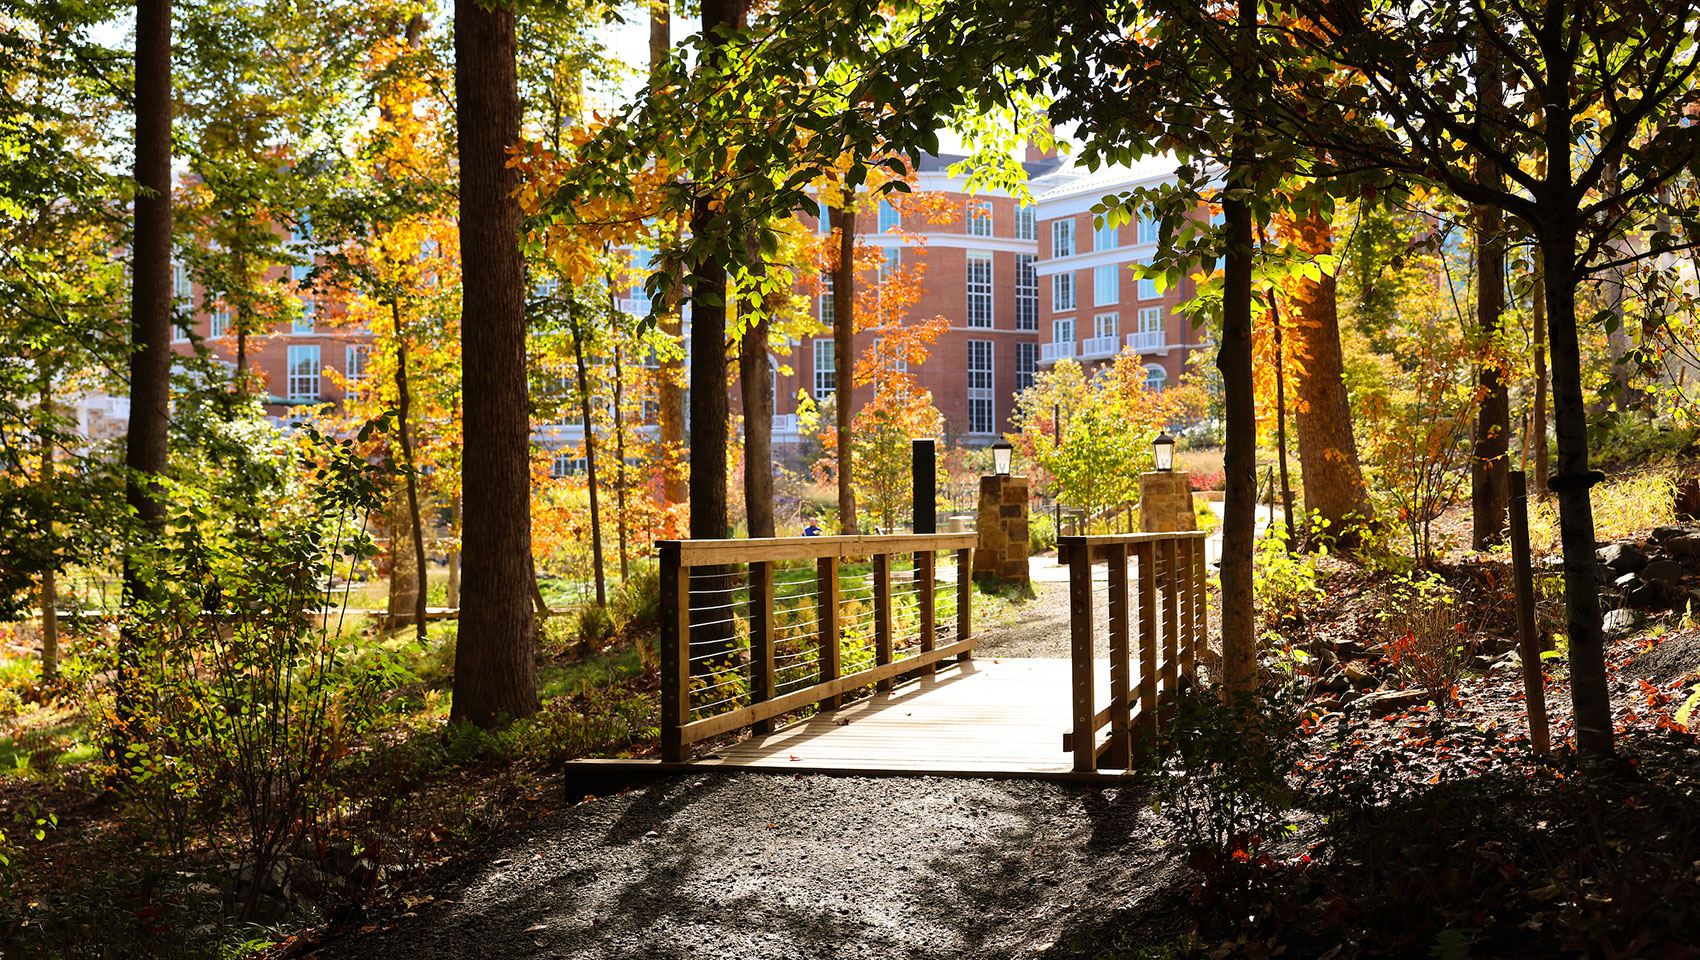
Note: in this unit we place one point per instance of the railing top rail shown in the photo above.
(702, 552)
(1113, 539)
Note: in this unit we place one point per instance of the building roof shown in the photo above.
(1106, 179)
(942, 162)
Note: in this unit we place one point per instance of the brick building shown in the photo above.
(979, 275)
(1091, 306)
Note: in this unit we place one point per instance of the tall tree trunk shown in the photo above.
(49, 576)
(844, 356)
(145, 447)
(1328, 451)
(1538, 313)
(495, 661)
(1490, 465)
(582, 365)
(620, 462)
(1588, 691)
(404, 435)
(453, 585)
(670, 387)
(1281, 421)
(1234, 360)
(755, 381)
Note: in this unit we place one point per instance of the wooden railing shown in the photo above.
(1168, 619)
(753, 629)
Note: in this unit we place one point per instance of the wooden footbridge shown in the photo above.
(855, 655)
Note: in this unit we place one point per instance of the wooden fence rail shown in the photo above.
(704, 584)
(1167, 617)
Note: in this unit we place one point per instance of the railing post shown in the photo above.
(926, 565)
(1120, 754)
(1080, 654)
(829, 591)
(1170, 602)
(761, 638)
(882, 614)
(675, 653)
(964, 600)
(1183, 599)
(1201, 610)
(1147, 557)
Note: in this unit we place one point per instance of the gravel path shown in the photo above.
(775, 866)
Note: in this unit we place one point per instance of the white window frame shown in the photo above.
(1062, 330)
(1026, 364)
(182, 285)
(979, 283)
(305, 373)
(1062, 292)
(355, 358)
(1156, 377)
(826, 306)
(218, 323)
(889, 218)
(1026, 293)
(305, 321)
(1150, 228)
(1148, 288)
(1106, 284)
(1062, 237)
(825, 368)
(1106, 238)
(1026, 222)
(1106, 324)
(982, 405)
(977, 218)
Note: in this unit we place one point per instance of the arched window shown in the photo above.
(1155, 377)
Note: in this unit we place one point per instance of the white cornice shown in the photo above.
(950, 241)
(1097, 258)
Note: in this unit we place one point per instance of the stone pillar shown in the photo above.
(1002, 552)
(1165, 502)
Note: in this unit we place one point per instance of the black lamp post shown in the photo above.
(1163, 452)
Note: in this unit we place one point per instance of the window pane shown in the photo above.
(1062, 238)
(889, 218)
(826, 375)
(304, 373)
(1026, 293)
(1104, 284)
(980, 414)
(979, 216)
(1025, 224)
(979, 289)
(1026, 363)
(1062, 291)
(1106, 238)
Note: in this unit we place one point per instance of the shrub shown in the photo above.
(593, 626)
(1041, 533)
(1209, 480)
(1284, 583)
(637, 602)
(1219, 775)
(1622, 509)
(1426, 642)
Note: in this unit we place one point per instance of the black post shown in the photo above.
(1528, 644)
(924, 471)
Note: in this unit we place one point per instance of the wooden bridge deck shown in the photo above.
(986, 717)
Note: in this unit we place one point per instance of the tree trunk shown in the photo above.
(1334, 487)
(453, 586)
(404, 435)
(495, 661)
(755, 381)
(620, 462)
(1588, 691)
(402, 609)
(49, 576)
(145, 447)
(582, 365)
(1538, 313)
(844, 356)
(1281, 422)
(1234, 360)
(670, 389)
(1490, 465)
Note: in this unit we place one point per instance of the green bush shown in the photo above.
(1284, 583)
(593, 625)
(637, 603)
(1041, 533)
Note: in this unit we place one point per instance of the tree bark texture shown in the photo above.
(1588, 690)
(1234, 360)
(1281, 421)
(1334, 487)
(1490, 464)
(49, 594)
(415, 522)
(495, 663)
(670, 385)
(755, 381)
(145, 447)
(620, 462)
(844, 356)
(581, 362)
(1538, 426)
